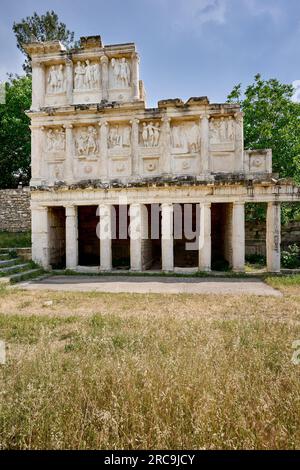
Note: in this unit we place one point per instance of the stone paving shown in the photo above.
(154, 285)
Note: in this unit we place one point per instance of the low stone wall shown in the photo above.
(256, 237)
(15, 210)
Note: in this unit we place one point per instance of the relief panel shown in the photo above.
(55, 85)
(150, 166)
(86, 143)
(55, 144)
(222, 162)
(119, 167)
(185, 138)
(119, 79)
(119, 139)
(222, 134)
(87, 82)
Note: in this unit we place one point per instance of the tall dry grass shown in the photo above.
(174, 381)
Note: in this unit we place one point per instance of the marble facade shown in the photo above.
(95, 143)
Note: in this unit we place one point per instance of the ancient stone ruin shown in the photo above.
(102, 162)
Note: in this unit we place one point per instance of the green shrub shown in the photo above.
(290, 258)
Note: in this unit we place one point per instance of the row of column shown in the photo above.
(40, 237)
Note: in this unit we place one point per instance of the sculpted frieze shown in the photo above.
(55, 140)
(222, 130)
(119, 137)
(120, 73)
(86, 76)
(150, 134)
(185, 138)
(86, 141)
(56, 82)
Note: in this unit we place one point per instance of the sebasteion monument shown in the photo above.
(102, 160)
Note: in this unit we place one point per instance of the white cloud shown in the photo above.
(265, 7)
(195, 13)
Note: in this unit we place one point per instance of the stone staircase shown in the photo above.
(14, 268)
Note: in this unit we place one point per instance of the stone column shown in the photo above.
(135, 76)
(238, 237)
(103, 148)
(104, 75)
(135, 147)
(69, 81)
(205, 144)
(37, 155)
(239, 142)
(138, 233)
(273, 237)
(38, 86)
(205, 238)
(105, 212)
(40, 235)
(71, 237)
(69, 160)
(166, 144)
(167, 242)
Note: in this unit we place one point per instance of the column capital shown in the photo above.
(167, 204)
(166, 119)
(68, 126)
(37, 63)
(102, 123)
(104, 59)
(238, 203)
(134, 121)
(70, 210)
(239, 116)
(135, 56)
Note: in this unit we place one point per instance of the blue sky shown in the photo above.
(187, 47)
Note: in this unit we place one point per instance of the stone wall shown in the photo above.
(256, 237)
(15, 210)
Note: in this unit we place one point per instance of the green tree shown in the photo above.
(272, 120)
(46, 27)
(15, 133)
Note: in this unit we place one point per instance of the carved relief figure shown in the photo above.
(55, 140)
(119, 137)
(222, 130)
(56, 79)
(86, 141)
(121, 73)
(150, 134)
(185, 138)
(194, 138)
(177, 137)
(79, 76)
(87, 76)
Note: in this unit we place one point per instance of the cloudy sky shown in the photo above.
(188, 47)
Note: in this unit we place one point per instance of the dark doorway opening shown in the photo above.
(57, 237)
(186, 251)
(120, 237)
(220, 233)
(88, 241)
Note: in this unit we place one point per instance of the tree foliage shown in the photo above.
(15, 133)
(272, 120)
(46, 27)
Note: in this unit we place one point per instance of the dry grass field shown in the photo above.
(92, 370)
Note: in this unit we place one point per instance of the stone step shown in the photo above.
(4, 256)
(10, 262)
(14, 268)
(25, 275)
